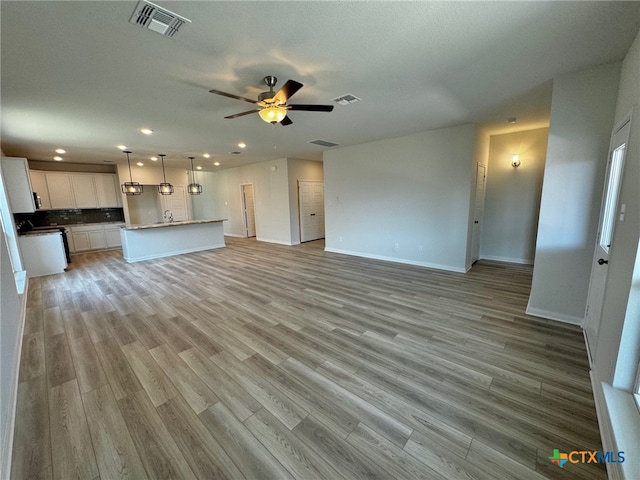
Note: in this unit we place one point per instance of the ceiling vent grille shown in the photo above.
(157, 19)
(346, 99)
(324, 143)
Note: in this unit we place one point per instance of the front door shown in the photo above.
(610, 211)
(311, 202)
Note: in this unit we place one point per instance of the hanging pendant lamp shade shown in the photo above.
(194, 188)
(165, 188)
(131, 188)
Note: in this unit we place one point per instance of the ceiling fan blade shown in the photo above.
(312, 108)
(242, 114)
(231, 95)
(287, 90)
(286, 121)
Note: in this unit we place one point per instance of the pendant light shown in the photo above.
(165, 188)
(194, 188)
(131, 188)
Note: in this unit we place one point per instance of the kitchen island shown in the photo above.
(144, 242)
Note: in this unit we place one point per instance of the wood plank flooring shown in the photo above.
(264, 361)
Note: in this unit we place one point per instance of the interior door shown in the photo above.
(248, 210)
(477, 212)
(610, 212)
(311, 205)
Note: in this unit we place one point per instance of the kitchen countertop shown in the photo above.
(172, 224)
(49, 231)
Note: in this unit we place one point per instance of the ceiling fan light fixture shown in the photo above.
(273, 113)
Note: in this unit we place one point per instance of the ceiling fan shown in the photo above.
(273, 105)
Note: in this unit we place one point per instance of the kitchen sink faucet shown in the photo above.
(168, 216)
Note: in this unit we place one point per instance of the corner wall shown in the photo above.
(512, 196)
(404, 199)
(582, 111)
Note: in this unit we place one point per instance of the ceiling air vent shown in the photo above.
(324, 143)
(346, 99)
(158, 19)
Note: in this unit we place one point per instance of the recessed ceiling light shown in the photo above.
(206, 155)
(153, 159)
(146, 131)
(217, 164)
(242, 144)
(122, 147)
(140, 164)
(198, 167)
(57, 159)
(60, 151)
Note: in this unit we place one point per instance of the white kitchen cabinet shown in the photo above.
(84, 191)
(60, 192)
(43, 253)
(107, 191)
(112, 235)
(95, 236)
(64, 190)
(15, 172)
(39, 185)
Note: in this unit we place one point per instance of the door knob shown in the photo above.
(602, 261)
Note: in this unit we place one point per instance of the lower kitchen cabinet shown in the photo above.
(95, 237)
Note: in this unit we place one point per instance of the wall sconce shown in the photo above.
(515, 161)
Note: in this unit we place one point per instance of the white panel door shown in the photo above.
(176, 203)
(477, 212)
(610, 213)
(311, 204)
(248, 210)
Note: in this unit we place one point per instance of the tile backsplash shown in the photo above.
(44, 218)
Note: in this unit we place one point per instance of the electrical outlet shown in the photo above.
(396, 247)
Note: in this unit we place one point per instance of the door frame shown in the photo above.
(593, 316)
(243, 209)
(475, 252)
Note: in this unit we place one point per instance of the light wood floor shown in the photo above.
(263, 361)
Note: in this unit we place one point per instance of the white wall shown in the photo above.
(582, 111)
(512, 196)
(300, 170)
(11, 325)
(206, 205)
(405, 199)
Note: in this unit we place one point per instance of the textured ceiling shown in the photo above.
(78, 75)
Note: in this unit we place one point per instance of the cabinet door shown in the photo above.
(113, 237)
(15, 172)
(107, 191)
(81, 241)
(97, 239)
(39, 185)
(84, 191)
(60, 192)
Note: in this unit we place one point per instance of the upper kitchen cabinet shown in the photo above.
(84, 191)
(107, 190)
(39, 185)
(63, 190)
(15, 172)
(60, 192)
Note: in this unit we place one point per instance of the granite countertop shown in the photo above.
(172, 224)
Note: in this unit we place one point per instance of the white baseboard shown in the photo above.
(234, 235)
(537, 312)
(436, 266)
(521, 261)
(7, 435)
(271, 240)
